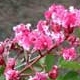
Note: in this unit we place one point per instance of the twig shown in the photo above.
(38, 58)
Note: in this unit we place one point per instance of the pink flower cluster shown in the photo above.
(41, 38)
(28, 39)
(52, 74)
(39, 76)
(59, 22)
(55, 29)
(10, 73)
(69, 53)
(65, 17)
(50, 33)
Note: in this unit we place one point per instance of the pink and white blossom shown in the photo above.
(39, 76)
(69, 54)
(11, 74)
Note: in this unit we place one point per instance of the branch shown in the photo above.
(38, 58)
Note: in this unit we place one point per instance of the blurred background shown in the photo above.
(14, 12)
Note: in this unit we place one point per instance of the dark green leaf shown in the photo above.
(72, 75)
(2, 77)
(59, 77)
(49, 61)
(72, 65)
(1, 70)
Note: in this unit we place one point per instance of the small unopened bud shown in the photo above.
(53, 73)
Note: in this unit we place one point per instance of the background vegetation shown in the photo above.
(13, 12)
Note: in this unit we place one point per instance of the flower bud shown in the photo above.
(53, 73)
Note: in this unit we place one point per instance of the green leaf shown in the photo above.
(28, 71)
(49, 61)
(49, 79)
(2, 77)
(19, 65)
(42, 60)
(77, 32)
(1, 70)
(59, 77)
(38, 65)
(72, 75)
(72, 65)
